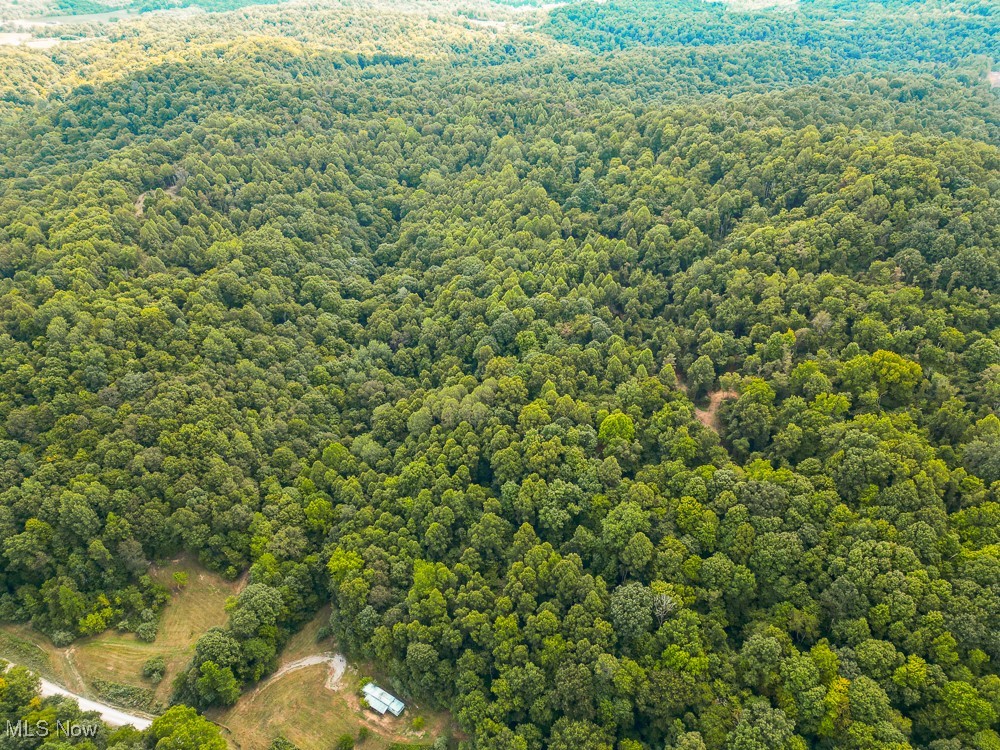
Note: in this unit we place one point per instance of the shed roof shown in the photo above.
(382, 701)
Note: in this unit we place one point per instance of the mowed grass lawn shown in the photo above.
(191, 611)
(119, 657)
(299, 707)
(19, 644)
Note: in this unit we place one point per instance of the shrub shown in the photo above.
(146, 632)
(126, 696)
(62, 638)
(154, 669)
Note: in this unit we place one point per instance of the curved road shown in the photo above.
(115, 717)
(337, 664)
(112, 716)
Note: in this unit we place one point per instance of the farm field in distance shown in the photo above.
(500, 374)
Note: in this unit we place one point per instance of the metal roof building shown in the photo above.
(381, 701)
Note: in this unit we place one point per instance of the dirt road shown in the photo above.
(337, 666)
(113, 716)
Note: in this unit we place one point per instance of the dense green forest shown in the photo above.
(625, 375)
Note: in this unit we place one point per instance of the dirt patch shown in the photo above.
(994, 78)
(180, 177)
(487, 23)
(74, 670)
(140, 202)
(384, 724)
(710, 416)
(392, 728)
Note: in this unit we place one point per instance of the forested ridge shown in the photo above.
(420, 319)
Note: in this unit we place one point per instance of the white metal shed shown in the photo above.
(381, 701)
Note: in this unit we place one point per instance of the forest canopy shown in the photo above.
(623, 375)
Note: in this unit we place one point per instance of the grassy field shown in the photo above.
(307, 642)
(20, 645)
(299, 706)
(118, 657)
(90, 664)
